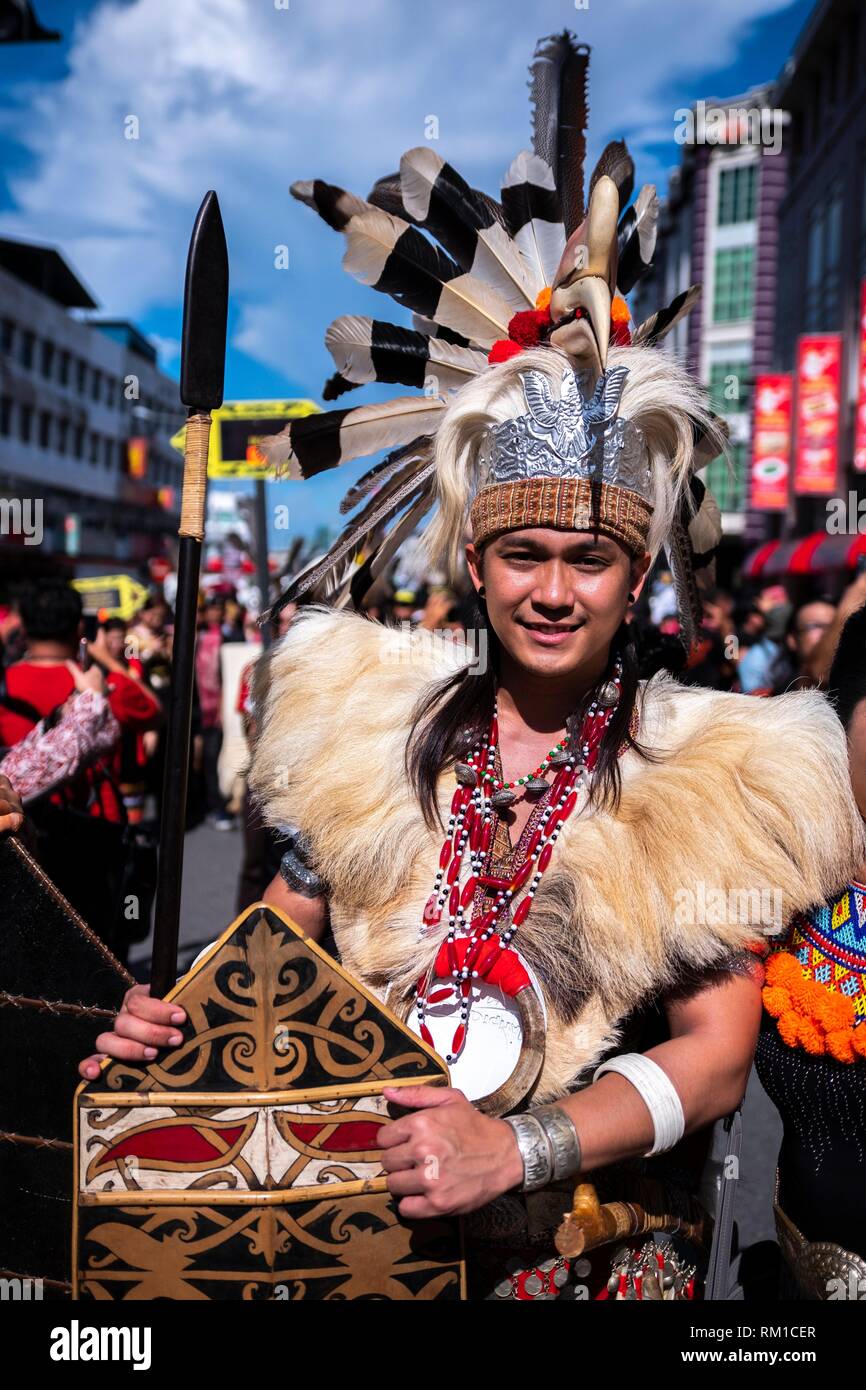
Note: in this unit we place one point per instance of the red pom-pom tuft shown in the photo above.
(502, 351)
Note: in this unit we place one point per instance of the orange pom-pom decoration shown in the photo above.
(788, 1026)
(809, 1015)
(777, 1000)
(542, 299)
(620, 318)
(839, 1045)
(811, 1036)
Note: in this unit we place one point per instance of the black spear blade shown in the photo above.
(205, 310)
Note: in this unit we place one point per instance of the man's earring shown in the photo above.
(481, 591)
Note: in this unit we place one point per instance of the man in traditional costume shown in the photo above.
(555, 873)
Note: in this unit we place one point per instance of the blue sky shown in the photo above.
(246, 96)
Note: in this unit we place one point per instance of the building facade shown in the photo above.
(86, 416)
(822, 220)
(718, 229)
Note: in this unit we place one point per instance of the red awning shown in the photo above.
(755, 562)
(814, 554)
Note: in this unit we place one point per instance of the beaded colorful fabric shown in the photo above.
(816, 979)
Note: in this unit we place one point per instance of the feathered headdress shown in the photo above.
(530, 283)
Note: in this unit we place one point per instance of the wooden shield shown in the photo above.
(59, 987)
(244, 1163)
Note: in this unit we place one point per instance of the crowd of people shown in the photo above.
(82, 717)
(83, 703)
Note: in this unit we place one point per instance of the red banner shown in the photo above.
(136, 456)
(860, 417)
(819, 372)
(771, 442)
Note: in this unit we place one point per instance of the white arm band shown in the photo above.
(658, 1094)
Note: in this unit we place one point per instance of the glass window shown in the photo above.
(80, 377)
(96, 383)
(728, 488)
(78, 443)
(65, 364)
(5, 415)
(25, 423)
(62, 436)
(7, 335)
(732, 297)
(44, 429)
(94, 448)
(823, 263)
(108, 452)
(28, 347)
(47, 358)
(737, 194)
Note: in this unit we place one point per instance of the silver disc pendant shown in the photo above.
(608, 696)
(465, 775)
(560, 757)
(501, 800)
(534, 786)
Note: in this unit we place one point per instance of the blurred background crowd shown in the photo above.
(83, 700)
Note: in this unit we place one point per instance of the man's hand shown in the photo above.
(142, 1027)
(11, 810)
(446, 1158)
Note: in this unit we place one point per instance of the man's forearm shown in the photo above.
(614, 1123)
(310, 914)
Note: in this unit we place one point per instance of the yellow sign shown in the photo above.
(235, 431)
(113, 595)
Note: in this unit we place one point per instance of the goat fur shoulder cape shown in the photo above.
(749, 804)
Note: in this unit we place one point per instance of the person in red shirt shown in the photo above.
(79, 827)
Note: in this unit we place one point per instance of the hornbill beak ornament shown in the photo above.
(585, 281)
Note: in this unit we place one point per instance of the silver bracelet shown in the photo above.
(296, 871)
(658, 1094)
(534, 1146)
(548, 1144)
(562, 1137)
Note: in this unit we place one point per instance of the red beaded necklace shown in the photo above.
(472, 948)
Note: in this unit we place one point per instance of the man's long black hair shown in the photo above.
(455, 715)
(846, 683)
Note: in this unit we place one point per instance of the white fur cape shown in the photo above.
(748, 807)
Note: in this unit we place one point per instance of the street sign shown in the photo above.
(112, 595)
(235, 431)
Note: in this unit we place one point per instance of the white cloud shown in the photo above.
(243, 97)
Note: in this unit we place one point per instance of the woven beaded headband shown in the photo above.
(571, 463)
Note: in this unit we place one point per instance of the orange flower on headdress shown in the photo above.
(620, 318)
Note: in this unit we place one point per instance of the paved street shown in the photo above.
(211, 868)
(210, 875)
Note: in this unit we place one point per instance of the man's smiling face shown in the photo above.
(555, 598)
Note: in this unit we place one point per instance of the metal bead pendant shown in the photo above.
(608, 695)
(535, 786)
(465, 775)
(560, 757)
(501, 800)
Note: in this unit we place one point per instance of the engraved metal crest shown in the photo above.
(572, 435)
